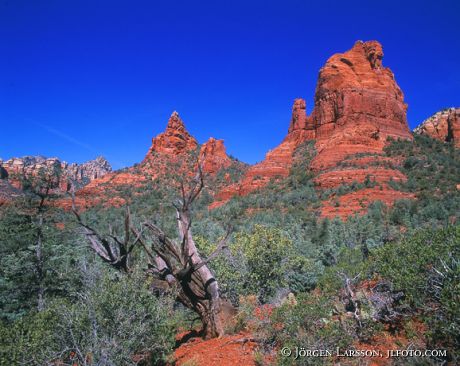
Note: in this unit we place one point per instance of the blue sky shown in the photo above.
(85, 78)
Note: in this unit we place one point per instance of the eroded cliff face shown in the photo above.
(30, 166)
(358, 106)
(443, 126)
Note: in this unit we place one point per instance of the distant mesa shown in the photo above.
(30, 166)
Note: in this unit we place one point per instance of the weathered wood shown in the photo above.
(179, 265)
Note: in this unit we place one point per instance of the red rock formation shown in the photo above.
(358, 105)
(175, 140)
(346, 176)
(213, 156)
(29, 166)
(443, 126)
(357, 202)
(277, 162)
(172, 153)
(301, 127)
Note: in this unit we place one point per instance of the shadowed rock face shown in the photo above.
(358, 105)
(443, 126)
(8, 192)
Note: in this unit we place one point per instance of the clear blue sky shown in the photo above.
(85, 78)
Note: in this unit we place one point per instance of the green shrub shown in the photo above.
(407, 264)
(444, 323)
(28, 340)
(116, 321)
(309, 323)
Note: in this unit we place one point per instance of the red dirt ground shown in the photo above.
(229, 350)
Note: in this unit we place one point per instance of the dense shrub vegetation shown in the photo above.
(91, 315)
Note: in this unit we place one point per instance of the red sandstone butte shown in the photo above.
(358, 105)
(443, 126)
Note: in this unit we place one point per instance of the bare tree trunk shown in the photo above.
(209, 307)
(178, 264)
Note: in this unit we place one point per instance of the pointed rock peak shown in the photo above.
(175, 122)
(175, 139)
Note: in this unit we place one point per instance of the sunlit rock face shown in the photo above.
(174, 154)
(358, 106)
(31, 166)
(443, 126)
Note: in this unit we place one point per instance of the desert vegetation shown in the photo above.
(114, 286)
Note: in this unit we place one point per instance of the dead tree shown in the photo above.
(177, 263)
